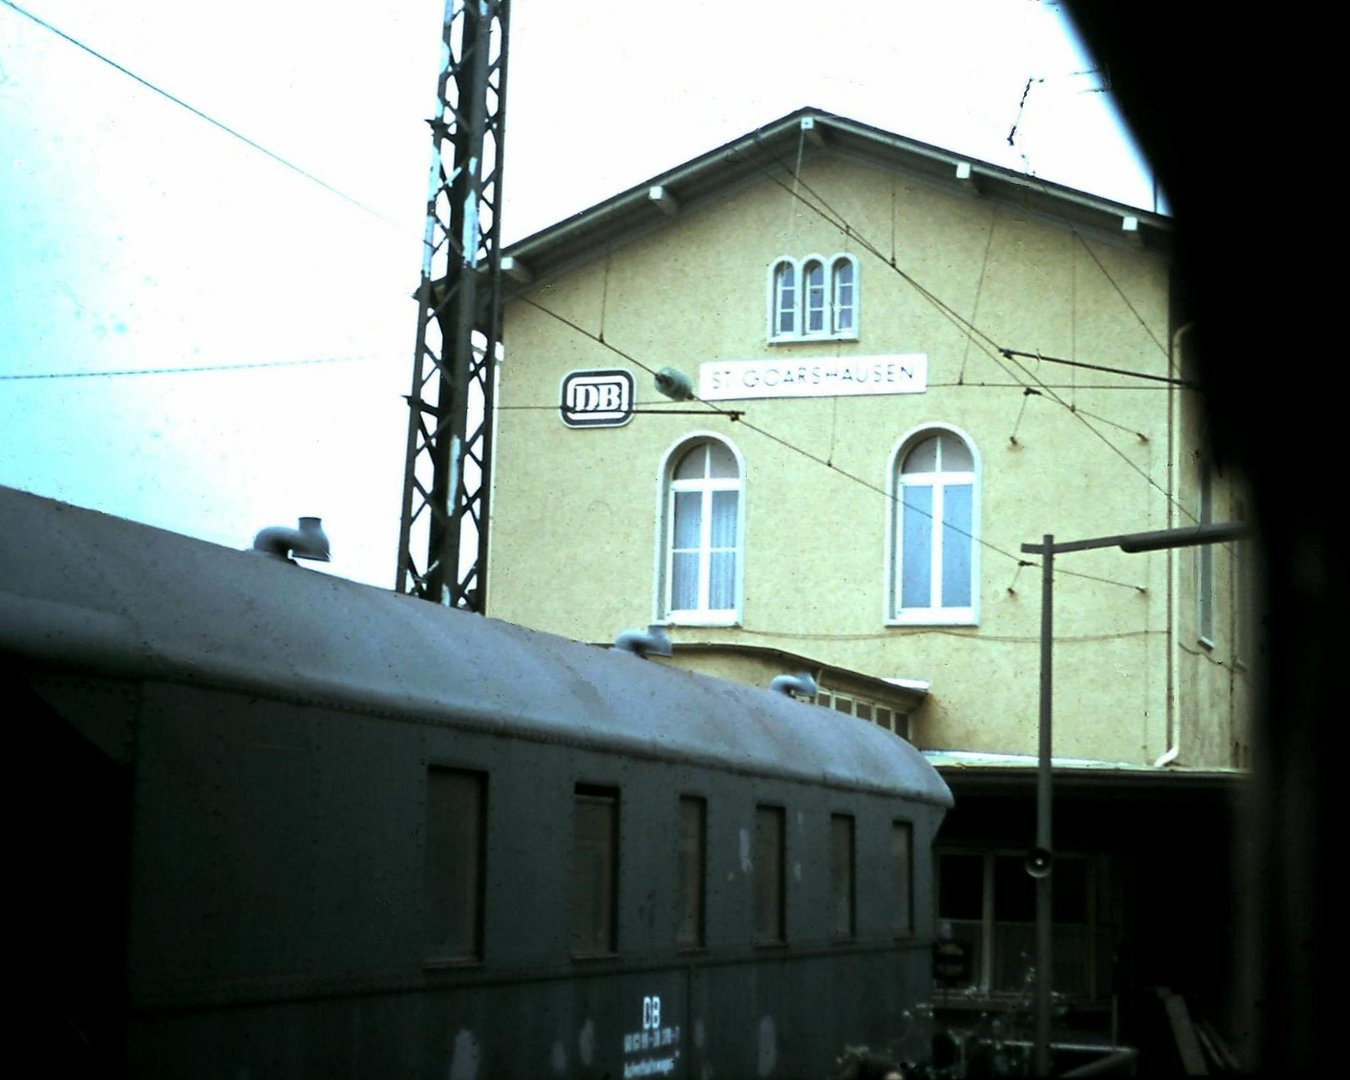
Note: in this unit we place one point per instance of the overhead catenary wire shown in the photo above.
(1171, 364)
(189, 370)
(992, 349)
(1082, 240)
(1073, 321)
(841, 223)
(1028, 392)
(826, 211)
(1120, 427)
(979, 288)
(788, 444)
(201, 115)
(1167, 379)
(639, 409)
(1022, 386)
(932, 385)
(1021, 105)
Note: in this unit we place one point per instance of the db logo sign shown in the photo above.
(597, 398)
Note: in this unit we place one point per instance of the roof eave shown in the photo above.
(652, 203)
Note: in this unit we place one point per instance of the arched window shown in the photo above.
(844, 296)
(813, 280)
(702, 546)
(935, 556)
(813, 298)
(783, 319)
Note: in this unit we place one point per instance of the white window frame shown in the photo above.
(1243, 594)
(896, 720)
(895, 615)
(1204, 561)
(836, 306)
(667, 487)
(776, 306)
(829, 330)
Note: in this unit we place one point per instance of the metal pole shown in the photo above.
(447, 466)
(1044, 945)
(1040, 861)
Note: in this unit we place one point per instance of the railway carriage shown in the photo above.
(290, 825)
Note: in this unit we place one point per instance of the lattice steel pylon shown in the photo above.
(448, 468)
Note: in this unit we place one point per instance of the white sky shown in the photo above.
(134, 235)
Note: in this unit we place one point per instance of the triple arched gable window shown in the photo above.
(701, 527)
(934, 548)
(814, 297)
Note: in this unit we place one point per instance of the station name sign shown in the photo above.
(835, 376)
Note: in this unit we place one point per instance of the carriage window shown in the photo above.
(770, 924)
(902, 874)
(595, 870)
(453, 879)
(692, 871)
(841, 875)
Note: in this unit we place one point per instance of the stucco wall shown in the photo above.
(1216, 671)
(574, 540)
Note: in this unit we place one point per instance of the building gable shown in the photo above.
(818, 536)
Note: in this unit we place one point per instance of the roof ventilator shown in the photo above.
(309, 541)
(653, 641)
(793, 685)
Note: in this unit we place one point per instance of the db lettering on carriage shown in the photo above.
(655, 1050)
(651, 1013)
(597, 398)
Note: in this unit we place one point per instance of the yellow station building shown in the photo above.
(905, 365)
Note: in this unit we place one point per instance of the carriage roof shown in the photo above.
(87, 591)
